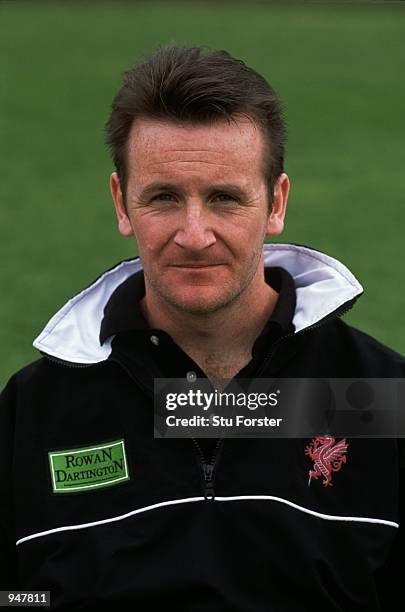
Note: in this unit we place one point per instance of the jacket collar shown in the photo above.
(323, 286)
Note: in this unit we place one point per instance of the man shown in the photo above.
(98, 511)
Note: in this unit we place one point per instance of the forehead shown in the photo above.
(219, 149)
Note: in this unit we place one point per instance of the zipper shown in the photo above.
(68, 364)
(208, 468)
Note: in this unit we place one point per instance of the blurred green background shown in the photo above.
(339, 68)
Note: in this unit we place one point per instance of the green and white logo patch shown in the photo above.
(88, 469)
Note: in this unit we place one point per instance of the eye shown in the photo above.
(163, 197)
(225, 197)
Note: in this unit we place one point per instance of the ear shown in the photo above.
(275, 224)
(124, 224)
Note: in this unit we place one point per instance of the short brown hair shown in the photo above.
(196, 85)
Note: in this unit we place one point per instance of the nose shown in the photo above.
(195, 231)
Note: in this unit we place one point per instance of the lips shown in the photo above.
(197, 265)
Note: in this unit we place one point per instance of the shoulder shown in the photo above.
(23, 376)
(44, 376)
(364, 340)
(32, 373)
(351, 350)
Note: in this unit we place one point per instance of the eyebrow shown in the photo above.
(158, 186)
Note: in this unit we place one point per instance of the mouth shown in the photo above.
(196, 266)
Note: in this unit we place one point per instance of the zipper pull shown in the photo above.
(208, 470)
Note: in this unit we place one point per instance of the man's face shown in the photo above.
(198, 206)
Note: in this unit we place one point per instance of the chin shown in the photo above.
(200, 302)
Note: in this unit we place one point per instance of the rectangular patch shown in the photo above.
(89, 468)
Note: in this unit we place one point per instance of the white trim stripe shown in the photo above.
(109, 520)
(173, 502)
(328, 517)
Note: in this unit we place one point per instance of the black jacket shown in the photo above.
(266, 541)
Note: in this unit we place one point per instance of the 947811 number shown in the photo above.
(25, 598)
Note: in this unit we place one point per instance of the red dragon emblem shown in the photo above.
(328, 456)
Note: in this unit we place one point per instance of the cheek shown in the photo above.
(151, 234)
(248, 232)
